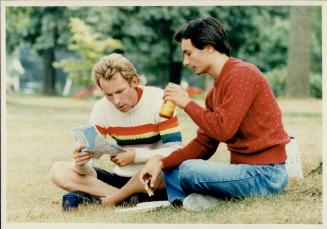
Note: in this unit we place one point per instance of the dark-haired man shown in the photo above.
(241, 111)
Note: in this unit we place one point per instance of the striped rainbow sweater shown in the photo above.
(141, 127)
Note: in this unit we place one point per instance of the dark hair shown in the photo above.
(203, 31)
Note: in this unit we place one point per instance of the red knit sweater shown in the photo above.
(241, 111)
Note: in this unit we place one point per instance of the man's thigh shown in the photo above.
(230, 180)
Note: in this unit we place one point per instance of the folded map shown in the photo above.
(89, 136)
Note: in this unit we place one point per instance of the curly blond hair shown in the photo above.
(114, 63)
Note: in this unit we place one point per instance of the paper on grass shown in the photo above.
(89, 136)
(145, 206)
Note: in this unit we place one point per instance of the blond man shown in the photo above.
(129, 113)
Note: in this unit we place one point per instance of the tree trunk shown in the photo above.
(175, 72)
(48, 72)
(175, 67)
(298, 62)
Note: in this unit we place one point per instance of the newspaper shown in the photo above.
(89, 136)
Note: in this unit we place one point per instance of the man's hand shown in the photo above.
(151, 171)
(177, 95)
(80, 157)
(123, 159)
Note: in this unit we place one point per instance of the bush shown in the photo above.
(277, 80)
(316, 85)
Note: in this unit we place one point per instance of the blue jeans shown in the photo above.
(223, 180)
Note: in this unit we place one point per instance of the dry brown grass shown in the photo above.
(38, 135)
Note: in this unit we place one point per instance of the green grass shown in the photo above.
(37, 135)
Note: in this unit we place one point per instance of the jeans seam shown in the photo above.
(228, 180)
(268, 187)
(265, 173)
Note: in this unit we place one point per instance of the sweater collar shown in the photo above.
(226, 66)
(139, 92)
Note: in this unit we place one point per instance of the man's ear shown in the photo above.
(134, 81)
(209, 47)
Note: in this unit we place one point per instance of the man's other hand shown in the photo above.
(124, 159)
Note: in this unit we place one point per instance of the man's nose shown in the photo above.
(186, 62)
(116, 99)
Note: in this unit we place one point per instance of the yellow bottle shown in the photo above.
(167, 109)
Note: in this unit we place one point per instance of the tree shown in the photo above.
(298, 61)
(90, 46)
(45, 28)
(257, 34)
(147, 35)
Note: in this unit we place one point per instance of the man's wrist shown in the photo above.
(158, 159)
(187, 101)
(160, 163)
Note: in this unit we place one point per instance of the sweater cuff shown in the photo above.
(168, 162)
(164, 162)
(191, 106)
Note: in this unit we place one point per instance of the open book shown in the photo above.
(89, 136)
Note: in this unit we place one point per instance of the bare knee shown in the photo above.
(59, 173)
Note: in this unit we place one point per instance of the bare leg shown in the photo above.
(64, 176)
(131, 187)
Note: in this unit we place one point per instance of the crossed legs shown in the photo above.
(132, 186)
(64, 175)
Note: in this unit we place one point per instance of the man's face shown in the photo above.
(194, 58)
(119, 92)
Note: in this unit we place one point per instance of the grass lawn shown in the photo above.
(37, 135)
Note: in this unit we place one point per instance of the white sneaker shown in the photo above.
(198, 202)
